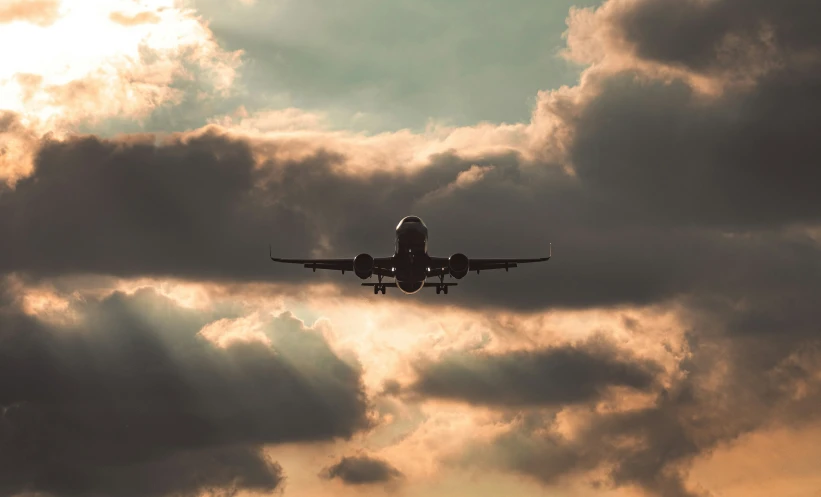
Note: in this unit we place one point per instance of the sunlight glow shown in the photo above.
(104, 58)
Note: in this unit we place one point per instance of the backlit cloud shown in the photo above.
(84, 67)
(146, 17)
(130, 399)
(555, 376)
(678, 314)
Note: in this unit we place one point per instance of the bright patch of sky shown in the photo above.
(377, 65)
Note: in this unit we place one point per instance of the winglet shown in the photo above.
(550, 254)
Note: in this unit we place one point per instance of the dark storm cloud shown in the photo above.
(657, 153)
(198, 209)
(554, 376)
(640, 447)
(361, 470)
(691, 33)
(132, 401)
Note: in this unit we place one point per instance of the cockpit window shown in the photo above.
(410, 219)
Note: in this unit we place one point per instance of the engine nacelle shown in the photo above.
(363, 266)
(458, 264)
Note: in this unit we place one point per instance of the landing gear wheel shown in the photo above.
(441, 287)
(383, 289)
(375, 289)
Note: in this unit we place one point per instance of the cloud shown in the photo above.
(658, 176)
(361, 470)
(290, 119)
(555, 376)
(59, 82)
(42, 13)
(18, 147)
(196, 205)
(716, 401)
(133, 400)
(653, 191)
(145, 17)
(704, 36)
(720, 46)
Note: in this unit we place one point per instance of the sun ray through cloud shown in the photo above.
(154, 154)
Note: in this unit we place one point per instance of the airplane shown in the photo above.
(410, 266)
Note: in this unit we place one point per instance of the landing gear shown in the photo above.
(379, 286)
(441, 287)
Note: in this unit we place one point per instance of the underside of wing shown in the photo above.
(381, 265)
(332, 264)
(442, 266)
(483, 264)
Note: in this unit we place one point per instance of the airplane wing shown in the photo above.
(439, 265)
(381, 265)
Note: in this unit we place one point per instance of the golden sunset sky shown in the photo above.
(151, 150)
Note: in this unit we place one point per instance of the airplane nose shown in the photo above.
(413, 229)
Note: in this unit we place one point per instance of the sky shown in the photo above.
(151, 150)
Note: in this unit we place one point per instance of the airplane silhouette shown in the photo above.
(410, 266)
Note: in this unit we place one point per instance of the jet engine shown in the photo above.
(363, 266)
(458, 264)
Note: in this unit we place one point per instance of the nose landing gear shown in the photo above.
(441, 287)
(379, 286)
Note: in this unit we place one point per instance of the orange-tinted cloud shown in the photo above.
(18, 147)
(56, 81)
(774, 461)
(40, 12)
(655, 197)
(182, 406)
(136, 19)
(715, 46)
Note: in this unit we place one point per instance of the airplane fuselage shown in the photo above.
(411, 258)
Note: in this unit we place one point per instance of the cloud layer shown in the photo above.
(131, 399)
(680, 173)
(552, 377)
